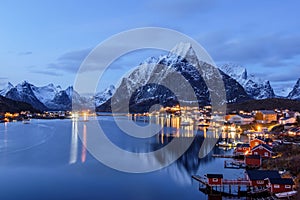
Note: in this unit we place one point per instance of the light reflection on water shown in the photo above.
(64, 148)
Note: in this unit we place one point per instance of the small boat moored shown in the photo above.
(286, 194)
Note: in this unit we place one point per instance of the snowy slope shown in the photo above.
(8, 86)
(103, 96)
(255, 87)
(46, 93)
(295, 93)
(283, 92)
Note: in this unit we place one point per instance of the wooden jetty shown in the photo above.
(241, 182)
(219, 188)
(234, 164)
(223, 156)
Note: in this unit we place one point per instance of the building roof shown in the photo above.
(253, 156)
(282, 181)
(265, 112)
(265, 146)
(262, 174)
(214, 175)
(258, 138)
(246, 116)
(243, 145)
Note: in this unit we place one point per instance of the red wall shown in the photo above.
(252, 162)
(218, 182)
(261, 152)
(281, 189)
(259, 183)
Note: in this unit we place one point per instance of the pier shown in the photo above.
(223, 156)
(234, 164)
(208, 187)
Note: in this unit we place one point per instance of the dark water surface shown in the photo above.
(46, 160)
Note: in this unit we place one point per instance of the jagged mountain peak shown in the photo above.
(174, 77)
(295, 93)
(184, 51)
(8, 86)
(104, 95)
(235, 71)
(51, 97)
(254, 86)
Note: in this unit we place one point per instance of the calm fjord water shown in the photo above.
(46, 160)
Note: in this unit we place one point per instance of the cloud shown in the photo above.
(44, 72)
(273, 50)
(284, 76)
(70, 61)
(25, 53)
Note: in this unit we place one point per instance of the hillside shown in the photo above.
(265, 104)
(8, 105)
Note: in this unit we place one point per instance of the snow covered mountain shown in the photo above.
(295, 93)
(52, 97)
(25, 92)
(255, 87)
(8, 86)
(144, 87)
(102, 97)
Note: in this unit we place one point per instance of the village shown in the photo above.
(270, 157)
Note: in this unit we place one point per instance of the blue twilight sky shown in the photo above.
(45, 41)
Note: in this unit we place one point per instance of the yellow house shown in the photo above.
(265, 116)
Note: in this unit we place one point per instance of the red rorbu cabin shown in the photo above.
(279, 185)
(215, 179)
(263, 150)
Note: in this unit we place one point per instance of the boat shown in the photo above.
(26, 121)
(286, 194)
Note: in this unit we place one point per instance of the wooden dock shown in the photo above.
(234, 164)
(205, 187)
(223, 156)
(237, 182)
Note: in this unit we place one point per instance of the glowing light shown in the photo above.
(258, 128)
(83, 151)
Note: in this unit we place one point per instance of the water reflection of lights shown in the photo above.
(74, 142)
(83, 151)
(5, 134)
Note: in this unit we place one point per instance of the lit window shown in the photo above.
(266, 154)
(260, 182)
(276, 186)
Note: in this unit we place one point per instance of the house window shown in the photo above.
(287, 186)
(255, 153)
(215, 180)
(276, 186)
(260, 182)
(266, 154)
